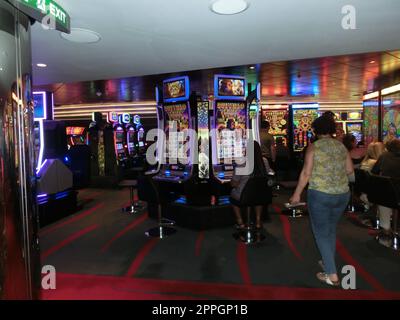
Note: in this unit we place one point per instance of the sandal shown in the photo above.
(322, 276)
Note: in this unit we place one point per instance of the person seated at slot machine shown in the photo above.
(238, 182)
(357, 154)
(267, 143)
(388, 165)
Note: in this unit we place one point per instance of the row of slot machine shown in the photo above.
(219, 125)
(129, 135)
(291, 124)
(382, 115)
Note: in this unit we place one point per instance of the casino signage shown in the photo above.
(42, 9)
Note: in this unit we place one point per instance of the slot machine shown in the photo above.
(371, 117)
(120, 137)
(131, 139)
(302, 117)
(355, 128)
(174, 117)
(140, 135)
(277, 116)
(230, 122)
(390, 101)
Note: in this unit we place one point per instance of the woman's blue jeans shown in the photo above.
(325, 211)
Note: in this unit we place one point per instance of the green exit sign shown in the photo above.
(44, 9)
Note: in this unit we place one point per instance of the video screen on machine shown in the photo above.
(230, 87)
(119, 140)
(302, 132)
(371, 120)
(176, 88)
(230, 130)
(278, 120)
(391, 116)
(355, 128)
(131, 138)
(176, 130)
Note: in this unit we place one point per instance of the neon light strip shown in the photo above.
(89, 111)
(391, 90)
(95, 106)
(41, 148)
(41, 195)
(43, 93)
(274, 106)
(40, 168)
(371, 95)
(306, 106)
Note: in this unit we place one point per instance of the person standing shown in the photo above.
(326, 169)
(267, 143)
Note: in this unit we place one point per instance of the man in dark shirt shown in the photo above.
(387, 165)
(267, 143)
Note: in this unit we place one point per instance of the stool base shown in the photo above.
(294, 212)
(160, 232)
(249, 236)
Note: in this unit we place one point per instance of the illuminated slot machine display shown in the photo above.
(120, 137)
(175, 121)
(131, 138)
(76, 136)
(303, 116)
(140, 138)
(390, 101)
(371, 118)
(355, 128)
(230, 123)
(277, 116)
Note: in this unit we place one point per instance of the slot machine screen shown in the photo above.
(119, 140)
(39, 101)
(229, 87)
(131, 138)
(176, 130)
(176, 89)
(302, 133)
(371, 120)
(278, 120)
(230, 130)
(355, 128)
(391, 116)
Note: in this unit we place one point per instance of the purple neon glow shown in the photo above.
(41, 167)
(41, 195)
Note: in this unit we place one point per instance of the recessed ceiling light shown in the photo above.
(372, 61)
(252, 67)
(1, 68)
(79, 35)
(41, 65)
(229, 7)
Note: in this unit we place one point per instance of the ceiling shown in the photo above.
(328, 79)
(144, 37)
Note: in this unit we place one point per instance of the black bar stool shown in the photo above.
(134, 207)
(150, 192)
(385, 191)
(256, 192)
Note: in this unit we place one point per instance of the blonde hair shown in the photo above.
(375, 149)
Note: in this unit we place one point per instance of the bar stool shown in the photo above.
(256, 192)
(134, 207)
(150, 192)
(385, 191)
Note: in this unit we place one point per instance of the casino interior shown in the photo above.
(122, 136)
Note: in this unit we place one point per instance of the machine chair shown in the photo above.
(256, 192)
(150, 192)
(385, 191)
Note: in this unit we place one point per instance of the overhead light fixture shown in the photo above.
(41, 65)
(80, 35)
(252, 67)
(372, 61)
(229, 7)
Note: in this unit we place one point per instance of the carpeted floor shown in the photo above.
(102, 253)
